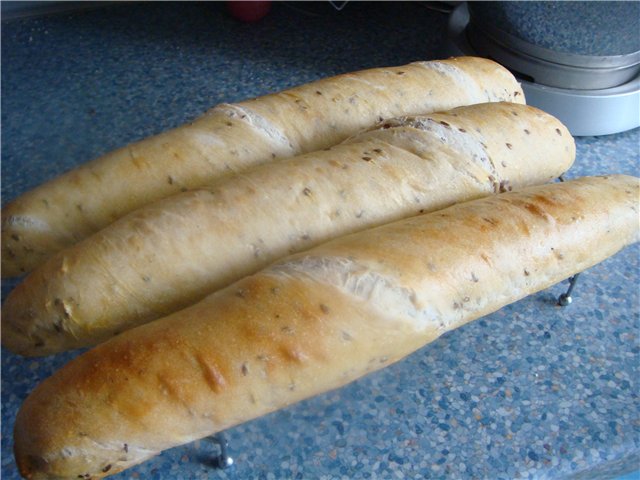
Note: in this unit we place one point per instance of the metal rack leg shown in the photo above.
(223, 460)
(565, 299)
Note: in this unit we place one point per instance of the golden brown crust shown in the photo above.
(172, 253)
(314, 322)
(328, 111)
(231, 138)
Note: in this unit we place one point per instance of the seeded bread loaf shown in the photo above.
(231, 138)
(314, 322)
(174, 252)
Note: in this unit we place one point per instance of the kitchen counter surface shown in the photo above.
(531, 391)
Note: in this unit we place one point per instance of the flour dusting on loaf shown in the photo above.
(379, 291)
(458, 77)
(281, 143)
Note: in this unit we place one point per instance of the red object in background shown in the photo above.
(248, 11)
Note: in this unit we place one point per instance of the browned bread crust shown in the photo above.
(174, 252)
(314, 322)
(231, 138)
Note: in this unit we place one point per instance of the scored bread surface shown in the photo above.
(172, 253)
(232, 138)
(314, 322)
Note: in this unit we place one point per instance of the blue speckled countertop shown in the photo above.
(532, 391)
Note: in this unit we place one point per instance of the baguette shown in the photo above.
(314, 322)
(231, 138)
(172, 253)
